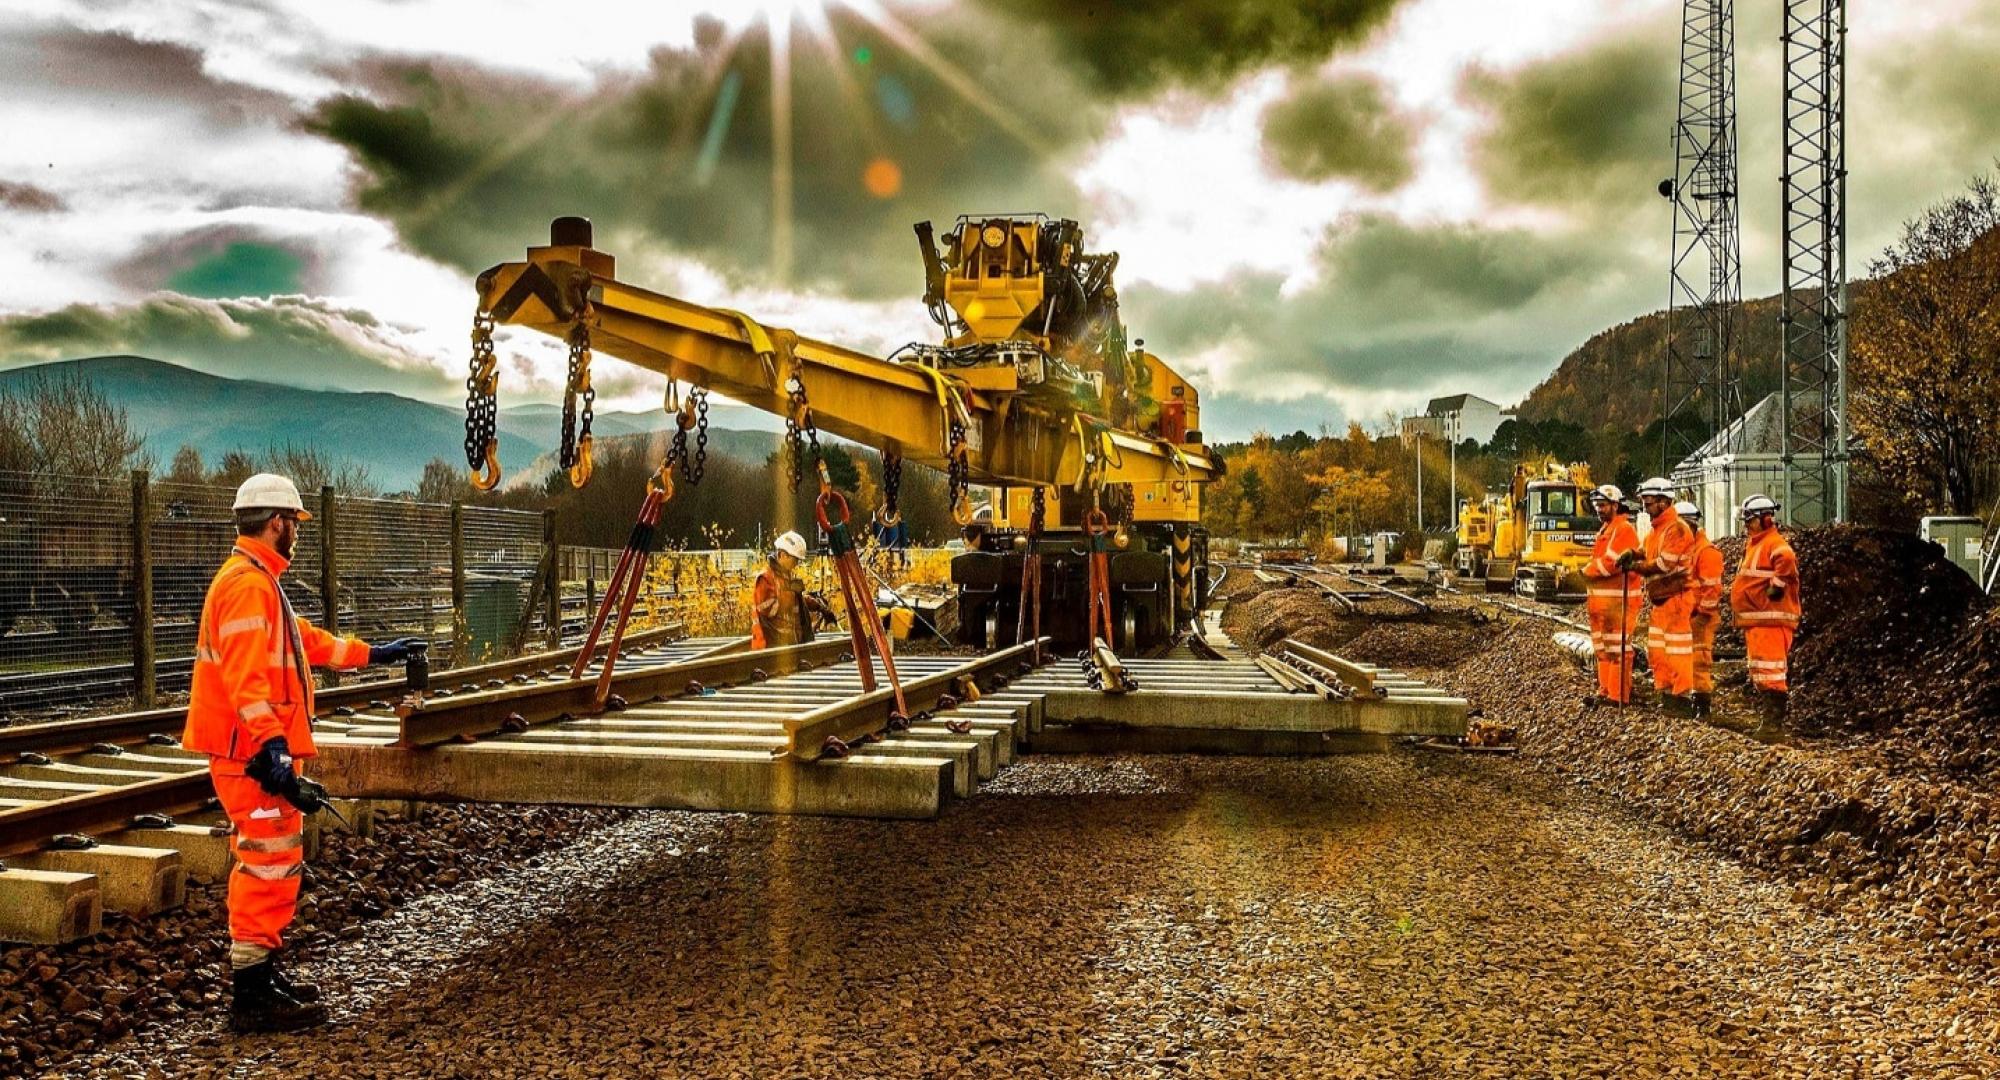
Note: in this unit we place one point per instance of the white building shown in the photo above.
(1741, 460)
(1456, 418)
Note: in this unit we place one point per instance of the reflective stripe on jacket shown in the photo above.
(1768, 558)
(251, 677)
(1707, 575)
(1601, 573)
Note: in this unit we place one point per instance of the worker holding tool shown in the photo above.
(1666, 562)
(251, 712)
(1765, 599)
(1707, 615)
(1612, 597)
(782, 608)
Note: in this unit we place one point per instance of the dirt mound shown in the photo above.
(1417, 646)
(1278, 613)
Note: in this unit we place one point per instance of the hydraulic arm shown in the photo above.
(987, 418)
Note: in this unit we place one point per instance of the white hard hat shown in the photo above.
(269, 491)
(1687, 509)
(791, 544)
(1658, 486)
(1759, 504)
(1607, 493)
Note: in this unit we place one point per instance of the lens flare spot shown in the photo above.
(895, 101)
(883, 178)
(864, 55)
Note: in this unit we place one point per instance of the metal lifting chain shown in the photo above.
(692, 414)
(892, 487)
(1038, 506)
(799, 427)
(575, 455)
(958, 472)
(482, 409)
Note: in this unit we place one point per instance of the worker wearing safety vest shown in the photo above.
(1667, 564)
(1612, 599)
(251, 712)
(782, 608)
(1707, 608)
(1765, 599)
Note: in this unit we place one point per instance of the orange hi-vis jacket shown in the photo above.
(1670, 553)
(252, 677)
(1768, 558)
(1614, 539)
(1707, 576)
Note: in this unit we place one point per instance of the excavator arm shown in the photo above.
(895, 407)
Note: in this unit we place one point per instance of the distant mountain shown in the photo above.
(392, 436)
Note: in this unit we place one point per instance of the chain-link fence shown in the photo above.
(102, 580)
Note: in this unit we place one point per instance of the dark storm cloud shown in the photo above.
(293, 340)
(1340, 127)
(224, 261)
(1396, 306)
(1589, 126)
(471, 165)
(63, 65)
(29, 199)
(1130, 49)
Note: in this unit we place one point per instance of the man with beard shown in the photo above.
(251, 712)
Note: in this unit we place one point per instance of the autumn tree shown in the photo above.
(1925, 352)
(443, 481)
(64, 427)
(187, 467)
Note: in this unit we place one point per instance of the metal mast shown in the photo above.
(1706, 287)
(1813, 319)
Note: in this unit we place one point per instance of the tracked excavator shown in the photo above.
(1089, 447)
(1534, 539)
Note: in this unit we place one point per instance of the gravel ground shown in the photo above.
(1405, 914)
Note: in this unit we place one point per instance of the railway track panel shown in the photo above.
(109, 813)
(758, 744)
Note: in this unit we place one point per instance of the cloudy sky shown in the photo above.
(1326, 209)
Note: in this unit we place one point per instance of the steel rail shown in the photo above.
(63, 736)
(483, 712)
(866, 714)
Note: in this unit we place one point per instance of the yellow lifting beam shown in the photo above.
(898, 407)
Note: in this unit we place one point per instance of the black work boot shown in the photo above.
(1702, 705)
(258, 1006)
(1676, 705)
(288, 986)
(1771, 715)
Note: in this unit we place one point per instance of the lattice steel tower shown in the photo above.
(1702, 391)
(1813, 319)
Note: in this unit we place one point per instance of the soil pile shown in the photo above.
(1275, 614)
(1882, 609)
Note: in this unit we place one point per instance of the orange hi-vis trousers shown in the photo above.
(270, 849)
(1768, 649)
(1703, 624)
(1670, 644)
(1614, 628)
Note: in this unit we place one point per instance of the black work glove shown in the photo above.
(271, 767)
(394, 652)
(1628, 560)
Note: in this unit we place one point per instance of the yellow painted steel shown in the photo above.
(890, 406)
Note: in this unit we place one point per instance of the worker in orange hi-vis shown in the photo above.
(1707, 608)
(1765, 599)
(251, 713)
(782, 610)
(1667, 564)
(1612, 597)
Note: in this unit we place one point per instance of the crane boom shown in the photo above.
(1016, 437)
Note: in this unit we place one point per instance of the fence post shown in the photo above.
(461, 627)
(552, 599)
(329, 572)
(145, 684)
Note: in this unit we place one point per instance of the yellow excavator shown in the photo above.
(1090, 445)
(1534, 539)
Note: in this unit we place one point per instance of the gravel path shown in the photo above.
(1394, 915)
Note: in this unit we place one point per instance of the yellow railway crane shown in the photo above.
(1034, 393)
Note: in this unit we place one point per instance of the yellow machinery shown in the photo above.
(1033, 393)
(1534, 539)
